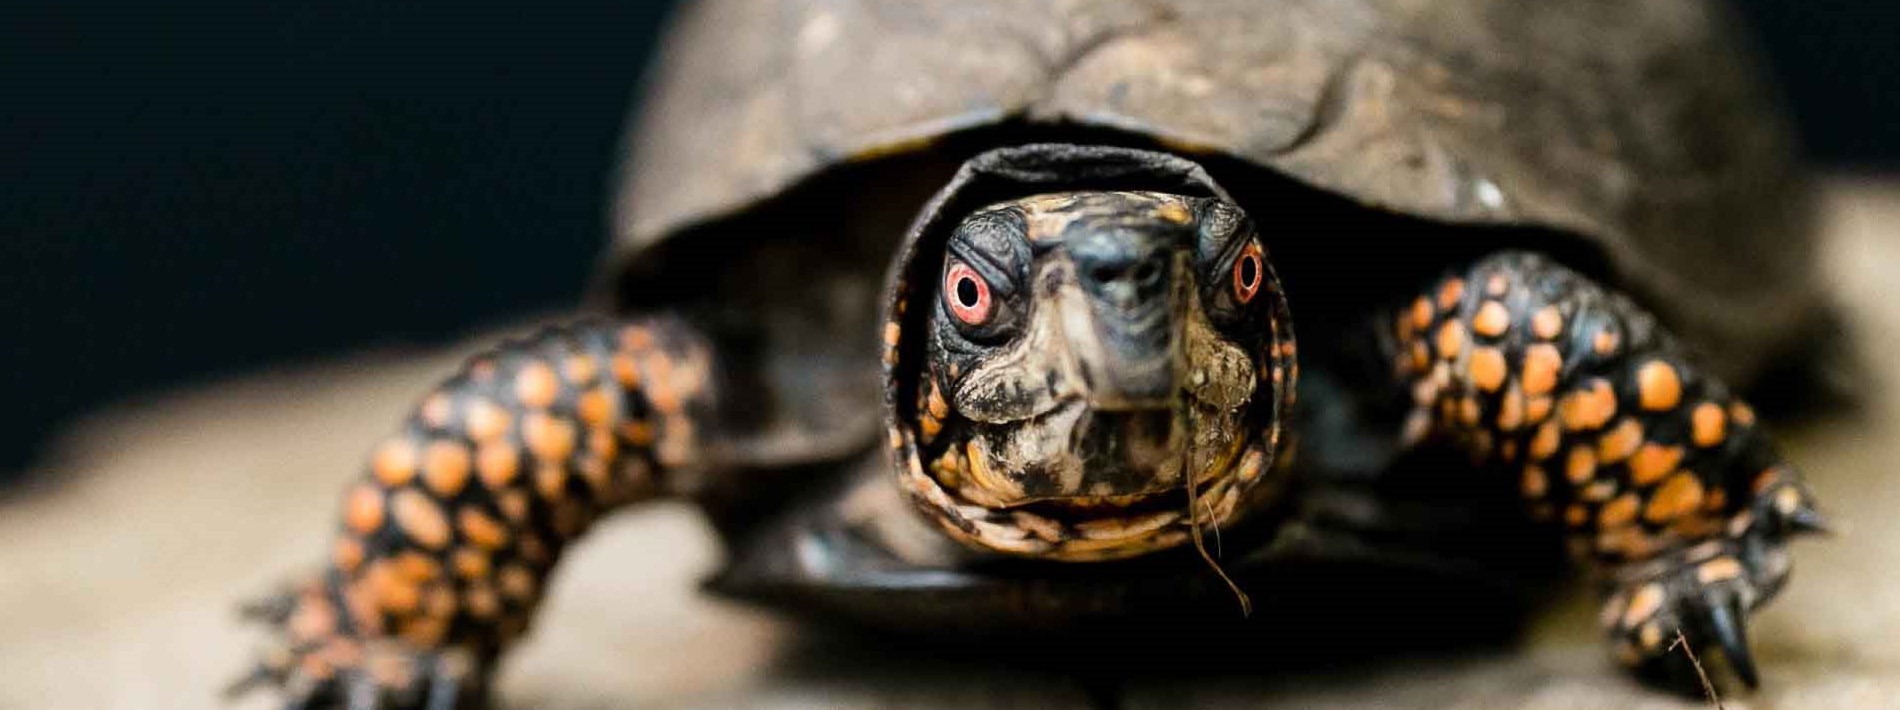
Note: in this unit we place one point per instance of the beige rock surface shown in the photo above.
(117, 579)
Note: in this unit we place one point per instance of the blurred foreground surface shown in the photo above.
(117, 585)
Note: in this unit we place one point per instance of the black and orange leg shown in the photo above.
(445, 542)
(1660, 476)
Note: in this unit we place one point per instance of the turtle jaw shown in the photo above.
(1128, 482)
(1082, 528)
(1065, 475)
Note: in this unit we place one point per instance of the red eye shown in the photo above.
(1249, 270)
(967, 294)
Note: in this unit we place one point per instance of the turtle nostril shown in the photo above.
(1147, 274)
(1141, 275)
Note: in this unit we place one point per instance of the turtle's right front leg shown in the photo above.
(1659, 474)
(446, 540)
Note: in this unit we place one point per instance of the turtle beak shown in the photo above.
(1125, 329)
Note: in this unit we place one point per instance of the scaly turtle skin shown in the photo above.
(1524, 283)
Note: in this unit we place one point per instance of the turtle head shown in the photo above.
(1091, 362)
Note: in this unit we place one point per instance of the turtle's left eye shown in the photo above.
(1250, 269)
(967, 294)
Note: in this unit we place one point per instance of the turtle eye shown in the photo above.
(967, 294)
(1250, 269)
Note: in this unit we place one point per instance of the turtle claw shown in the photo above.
(1787, 508)
(273, 609)
(1703, 594)
(437, 688)
(1810, 521)
(259, 676)
(316, 662)
(1726, 622)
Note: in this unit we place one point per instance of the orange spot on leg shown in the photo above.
(637, 432)
(1581, 465)
(1511, 411)
(1497, 285)
(625, 371)
(445, 467)
(481, 529)
(394, 462)
(1491, 320)
(471, 563)
(347, 554)
(1589, 406)
(1450, 294)
(363, 511)
(497, 462)
(1653, 461)
(481, 602)
(415, 566)
(1644, 604)
(550, 439)
(636, 338)
(1536, 483)
(420, 518)
(1541, 364)
(1537, 409)
(536, 386)
(580, 369)
(486, 421)
(1605, 342)
(1681, 494)
(1621, 441)
(517, 582)
(1547, 323)
(1487, 368)
(594, 407)
(437, 410)
(1720, 569)
(1708, 426)
(1618, 512)
(1421, 314)
(391, 592)
(1659, 386)
(1544, 444)
(1450, 340)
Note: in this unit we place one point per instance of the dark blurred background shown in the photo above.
(214, 185)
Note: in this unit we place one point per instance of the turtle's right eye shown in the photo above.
(1249, 270)
(967, 294)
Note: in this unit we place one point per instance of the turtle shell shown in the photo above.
(1636, 128)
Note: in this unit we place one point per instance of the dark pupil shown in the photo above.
(966, 292)
(1248, 271)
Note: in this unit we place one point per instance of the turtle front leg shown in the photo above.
(1659, 475)
(446, 540)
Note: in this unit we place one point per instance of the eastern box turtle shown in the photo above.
(977, 317)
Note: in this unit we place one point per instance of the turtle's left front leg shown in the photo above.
(1660, 476)
(446, 540)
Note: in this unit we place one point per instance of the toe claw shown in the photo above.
(1703, 596)
(272, 610)
(260, 675)
(1808, 520)
(442, 694)
(314, 660)
(1725, 618)
(364, 696)
(300, 693)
